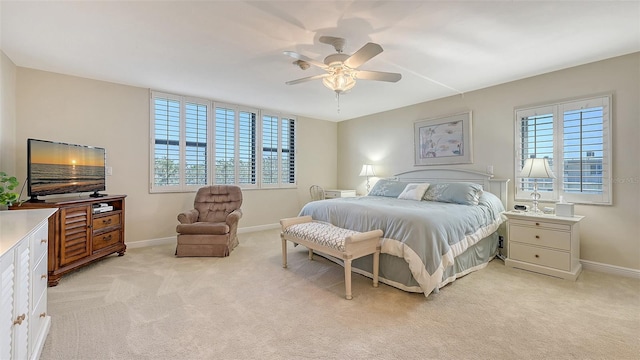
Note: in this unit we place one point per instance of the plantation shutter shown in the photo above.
(288, 151)
(269, 149)
(166, 148)
(575, 137)
(536, 137)
(247, 138)
(196, 163)
(586, 152)
(225, 141)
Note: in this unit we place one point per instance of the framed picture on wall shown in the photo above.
(444, 140)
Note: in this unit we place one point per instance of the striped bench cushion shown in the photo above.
(321, 233)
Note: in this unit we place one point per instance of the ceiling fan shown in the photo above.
(342, 69)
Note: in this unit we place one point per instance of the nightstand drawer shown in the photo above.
(539, 236)
(332, 194)
(541, 224)
(540, 256)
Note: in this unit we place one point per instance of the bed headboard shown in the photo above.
(497, 187)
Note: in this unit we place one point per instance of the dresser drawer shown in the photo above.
(104, 240)
(106, 221)
(540, 256)
(39, 243)
(540, 236)
(39, 281)
(36, 320)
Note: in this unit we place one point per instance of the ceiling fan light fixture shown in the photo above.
(339, 82)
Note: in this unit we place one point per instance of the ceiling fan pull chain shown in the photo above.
(338, 101)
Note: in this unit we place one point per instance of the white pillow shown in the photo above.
(414, 191)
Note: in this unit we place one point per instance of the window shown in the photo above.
(278, 151)
(236, 147)
(197, 142)
(179, 143)
(575, 137)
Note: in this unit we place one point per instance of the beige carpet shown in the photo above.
(151, 305)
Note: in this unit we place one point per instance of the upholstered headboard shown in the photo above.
(497, 187)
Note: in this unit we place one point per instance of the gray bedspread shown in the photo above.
(428, 235)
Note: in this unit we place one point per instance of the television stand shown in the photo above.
(79, 236)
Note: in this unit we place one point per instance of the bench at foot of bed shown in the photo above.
(332, 240)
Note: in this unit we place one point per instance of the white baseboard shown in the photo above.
(610, 269)
(172, 239)
(586, 264)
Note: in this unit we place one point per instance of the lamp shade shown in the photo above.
(537, 168)
(339, 82)
(367, 170)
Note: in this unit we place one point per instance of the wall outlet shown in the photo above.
(109, 170)
(501, 242)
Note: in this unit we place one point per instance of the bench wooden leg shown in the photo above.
(376, 266)
(347, 278)
(310, 254)
(284, 252)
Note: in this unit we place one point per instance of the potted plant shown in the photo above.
(7, 184)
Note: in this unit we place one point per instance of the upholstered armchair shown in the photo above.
(210, 228)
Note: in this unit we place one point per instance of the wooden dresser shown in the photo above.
(79, 233)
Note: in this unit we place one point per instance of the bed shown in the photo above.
(443, 226)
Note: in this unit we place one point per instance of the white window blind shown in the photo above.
(197, 142)
(196, 161)
(278, 151)
(179, 143)
(225, 144)
(166, 145)
(288, 130)
(575, 137)
(269, 149)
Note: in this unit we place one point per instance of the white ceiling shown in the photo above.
(231, 51)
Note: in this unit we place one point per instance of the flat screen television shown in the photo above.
(59, 168)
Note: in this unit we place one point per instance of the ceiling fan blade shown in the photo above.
(368, 51)
(297, 56)
(378, 75)
(309, 78)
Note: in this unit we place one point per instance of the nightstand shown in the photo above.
(332, 194)
(546, 244)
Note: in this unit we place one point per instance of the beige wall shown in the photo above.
(7, 114)
(82, 111)
(609, 234)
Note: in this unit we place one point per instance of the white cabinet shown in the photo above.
(24, 323)
(546, 244)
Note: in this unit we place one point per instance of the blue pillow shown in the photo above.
(464, 193)
(388, 188)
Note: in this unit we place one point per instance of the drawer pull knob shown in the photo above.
(537, 256)
(43, 276)
(106, 222)
(537, 224)
(20, 319)
(43, 314)
(106, 238)
(537, 236)
(43, 241)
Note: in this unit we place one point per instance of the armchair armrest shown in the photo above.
(188, 217)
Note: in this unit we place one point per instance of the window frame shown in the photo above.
(212, 107)
(557, 163)
(279, 184)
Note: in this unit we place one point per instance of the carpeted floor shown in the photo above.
(151, 305)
